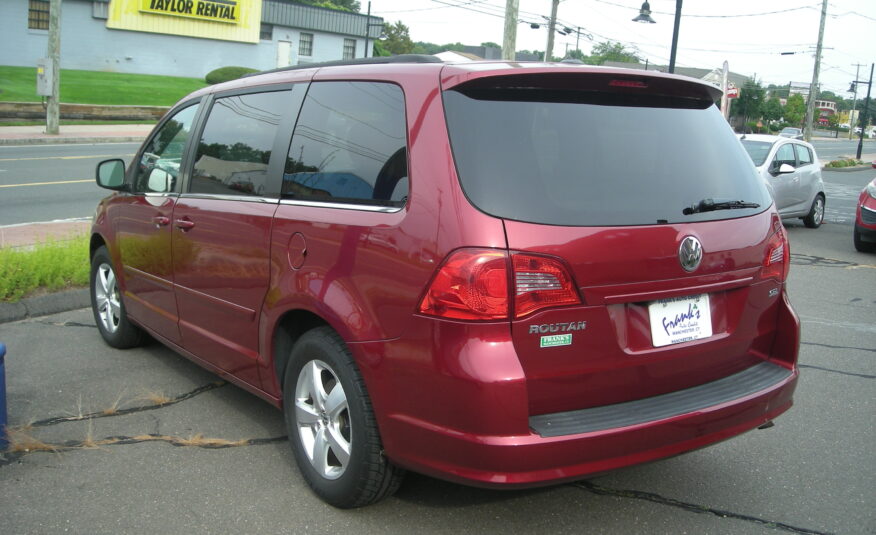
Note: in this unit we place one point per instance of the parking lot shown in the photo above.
(127, 441)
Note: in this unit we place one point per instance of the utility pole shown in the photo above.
(509, 41)
(813, 88)
(854, 100)
(53, 108)
(865, 116)
(552, 26)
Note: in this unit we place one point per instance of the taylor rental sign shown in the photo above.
(213, 10)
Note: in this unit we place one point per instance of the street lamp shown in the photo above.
(645, 16)
(865, 115)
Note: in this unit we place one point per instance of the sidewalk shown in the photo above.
(79, 133)
(32, 233)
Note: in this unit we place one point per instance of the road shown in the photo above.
(49, 182)
(833, 149)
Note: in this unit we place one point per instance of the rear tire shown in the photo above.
(108, 306)
(331, 424)
(863, 246)
(816, 213)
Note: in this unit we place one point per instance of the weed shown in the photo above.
(51, 265)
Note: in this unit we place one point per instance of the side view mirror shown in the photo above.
(159, 181)
(786, 168)
(110, 174)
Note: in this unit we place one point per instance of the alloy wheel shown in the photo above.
(322, 416)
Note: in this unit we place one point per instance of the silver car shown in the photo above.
(792, 173)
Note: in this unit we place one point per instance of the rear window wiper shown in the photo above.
(709, 205)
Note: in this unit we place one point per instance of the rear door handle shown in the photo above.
(161, 221)
(184, 224)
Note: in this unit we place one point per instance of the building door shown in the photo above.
(284, 52)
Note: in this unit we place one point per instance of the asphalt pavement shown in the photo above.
(110, 441)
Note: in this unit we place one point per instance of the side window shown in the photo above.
(235, 147)
(159, 165)
(785, 154)
(350, 145)
(803, 154)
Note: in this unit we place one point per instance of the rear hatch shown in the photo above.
(605, 175)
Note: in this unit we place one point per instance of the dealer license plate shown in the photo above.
(680, 319)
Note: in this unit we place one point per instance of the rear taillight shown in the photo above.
(777, 261)
(541, 282)
(472, 284)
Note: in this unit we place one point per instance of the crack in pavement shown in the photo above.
(820, 261)
(862, 375)
(121, 412)
(64, 324)
(838, 347)
(691, 507)
(196, 441)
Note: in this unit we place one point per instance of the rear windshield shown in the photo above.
(758, 150)
(596, 159)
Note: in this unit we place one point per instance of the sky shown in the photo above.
(750, 35)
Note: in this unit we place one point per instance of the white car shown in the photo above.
(792, 173)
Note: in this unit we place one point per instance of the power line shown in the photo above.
(716, 16)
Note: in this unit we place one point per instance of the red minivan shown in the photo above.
(501, 274)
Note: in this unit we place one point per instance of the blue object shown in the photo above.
(4, 443)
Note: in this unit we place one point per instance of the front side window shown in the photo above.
(159, 165)
(803, 154)
(349, 146)
(235, 147)
(349, 48)
(305, 44)
(38, 14)
(785, 154)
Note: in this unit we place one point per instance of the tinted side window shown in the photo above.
(803, 154)
(235, 147)
(159, 165)
(785, 154)
(350, 145)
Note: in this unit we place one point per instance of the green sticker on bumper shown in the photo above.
(556, 340)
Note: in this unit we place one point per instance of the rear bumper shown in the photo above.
(533, 460)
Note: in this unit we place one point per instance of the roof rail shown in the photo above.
(379, 60)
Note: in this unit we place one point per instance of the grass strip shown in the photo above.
(50, 266)
(95, 87)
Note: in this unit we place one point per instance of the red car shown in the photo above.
(500, 274)
(865, 220)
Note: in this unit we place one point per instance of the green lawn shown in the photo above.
(18, 84)
(48, 266)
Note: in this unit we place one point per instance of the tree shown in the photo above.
(612, 51)
(750, 101)
(772, 109)
(398, 39)
(795, 110)
(491, 44)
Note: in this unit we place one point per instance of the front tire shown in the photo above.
(331, 424)
(107, 305)
(816, 213)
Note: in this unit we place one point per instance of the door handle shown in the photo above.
(161, 221)
(184, 224)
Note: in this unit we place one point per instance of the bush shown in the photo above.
(224, 74)
(844, 163)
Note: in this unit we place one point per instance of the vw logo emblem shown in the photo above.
(690, 253)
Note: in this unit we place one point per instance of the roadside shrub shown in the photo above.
(850, 162)
(224, 74)
(51, 266)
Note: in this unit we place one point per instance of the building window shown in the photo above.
(38, 14)
(305, 44)
(267, 32)
(349, 48)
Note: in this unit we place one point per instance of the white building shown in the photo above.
(183, 37)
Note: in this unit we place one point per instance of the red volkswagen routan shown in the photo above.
(500, 274)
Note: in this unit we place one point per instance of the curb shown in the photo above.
(61, 140)
(43, 305)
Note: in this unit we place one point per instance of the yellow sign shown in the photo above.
(213, 10)
(227, 20)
